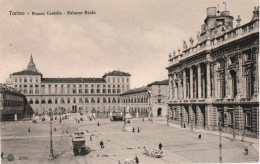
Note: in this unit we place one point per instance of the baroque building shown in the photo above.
(12, 103)
(71, 94)
(148, 100)
(215, 82)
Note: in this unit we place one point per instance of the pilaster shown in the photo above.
(191, 83)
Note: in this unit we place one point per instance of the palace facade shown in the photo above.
(215, 82)
(148, 100)
(71, 94)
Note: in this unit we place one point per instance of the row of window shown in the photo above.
(8, 103)
(118, 80)
(74, 100)
(138, 100)
(25, 80)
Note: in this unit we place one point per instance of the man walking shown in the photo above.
(160, 146)
(102, 144)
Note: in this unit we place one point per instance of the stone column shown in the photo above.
(170, 88)
(199, 81)
(191, 83)
(184, 84)
(175, 88)
(208, 81)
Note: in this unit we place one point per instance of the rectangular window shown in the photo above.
(20, 80)
(25, 80)
(86, 90)
(159, 100)
(74, 91)
(247, 119)
(118, 90)
(98, 90)
(74, 100)
(80, 90)
(15, 80)
(30, 80)
(36, 80)
(114, 90)
(56, 101)
(68, 100)
(109, 90)
(104, 91)
(92, 91)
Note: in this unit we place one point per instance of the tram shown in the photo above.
(79, 144)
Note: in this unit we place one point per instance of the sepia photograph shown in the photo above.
(129, 81)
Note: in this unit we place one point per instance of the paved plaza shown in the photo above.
(179, 145)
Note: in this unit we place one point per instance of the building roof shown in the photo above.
(136, 90)
(26, 72)
(117, 73)
(73, 80)
(163, 82)
(6, 88)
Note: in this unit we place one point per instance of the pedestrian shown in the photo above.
(200, 135)
(2, 155)
(29, 130)
(98, 124)
(246, 151)
(133, 131)
(143, 119)
(184, 126)
(55, 129)
(102, 144)
(160, 146)
(90, 138)
(136, 160)
(138, 130)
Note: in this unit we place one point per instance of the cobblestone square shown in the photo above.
(179, 145)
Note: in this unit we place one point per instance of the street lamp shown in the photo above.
(220, 144)
(51, 144)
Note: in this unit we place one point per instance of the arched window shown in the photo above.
(104, 100)
(86, 100)
(62, 101)
(43, 101)
(92, 100)
(118, 80)
(80, 100)
(233, 83)
(31, 101)
(249, 82)
(36, 101)
(49, 101)
(114, 100)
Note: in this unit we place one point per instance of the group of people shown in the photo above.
(133, 130)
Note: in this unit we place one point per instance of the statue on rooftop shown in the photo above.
(185, 45)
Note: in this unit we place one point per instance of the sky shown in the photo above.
(133, 36)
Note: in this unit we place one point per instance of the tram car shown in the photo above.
(116, 117)
(79, 144)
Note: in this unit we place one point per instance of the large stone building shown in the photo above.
(215, 81)
(12, 103)
(71, 94)
(140, 100)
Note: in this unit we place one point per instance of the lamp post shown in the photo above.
(220, 144)
(51, 144)
(168, 116)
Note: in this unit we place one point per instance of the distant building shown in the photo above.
(140, 102)
(12, 103)
(216, 81)
(71, 94)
